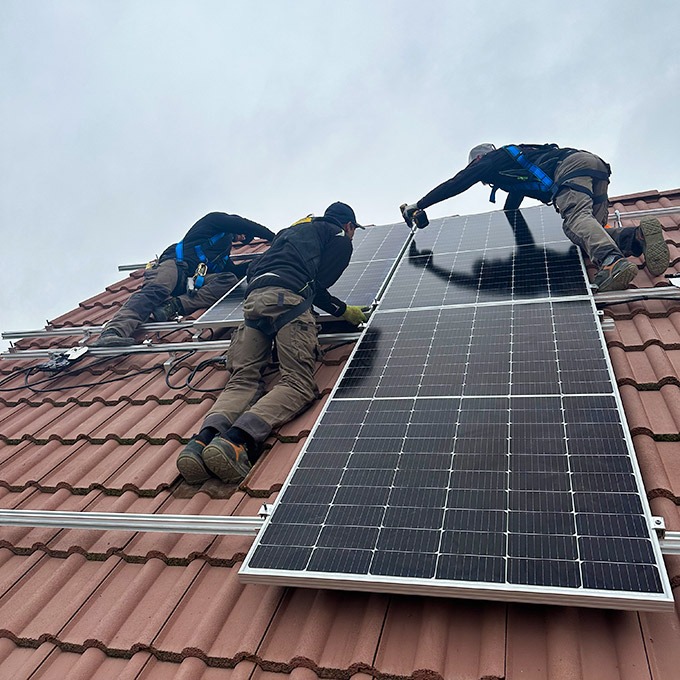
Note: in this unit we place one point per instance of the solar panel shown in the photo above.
(473, 450)
(485, 268)
(374, 252)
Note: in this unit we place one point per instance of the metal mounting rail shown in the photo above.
(122, 521)
(181, 524)
(92, 330)
(670, 543)
(87, 331)
(170, 347)
(632, 294)
(619, 215)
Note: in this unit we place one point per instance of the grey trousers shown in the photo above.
(160, 282)
(243, 403)
(584, 220)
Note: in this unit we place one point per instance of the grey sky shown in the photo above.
(123, 122)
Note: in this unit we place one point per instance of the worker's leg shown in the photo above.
(577, 208)
(214, 287)
(230, 457)
(249, 353)
(159, 282)
(296, 345)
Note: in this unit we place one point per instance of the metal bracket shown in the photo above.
(674, 279)
(659, 525)
(265, 510)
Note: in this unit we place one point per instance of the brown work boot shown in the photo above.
(227, 460)
(615, 276)
(654, 248)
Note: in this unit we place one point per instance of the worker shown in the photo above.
(575, 182)
(189, 275)
(303, 261)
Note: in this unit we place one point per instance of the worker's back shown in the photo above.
(302, 254)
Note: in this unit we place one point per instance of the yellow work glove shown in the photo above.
(354, 314)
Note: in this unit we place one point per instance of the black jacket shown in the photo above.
(212, 235)
(307, 258)
(499, 169)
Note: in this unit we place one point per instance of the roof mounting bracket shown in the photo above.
(265, 510)
(659, 525)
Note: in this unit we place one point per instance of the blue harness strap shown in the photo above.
(179, 251)
(543, 182)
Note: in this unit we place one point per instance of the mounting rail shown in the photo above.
(147, 348)
(123, 521)
(181, 524)
(618, 215)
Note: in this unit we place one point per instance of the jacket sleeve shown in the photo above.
(334, 262)
(252, 230)
(481, 170)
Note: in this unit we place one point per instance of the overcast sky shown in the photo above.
(123, 122)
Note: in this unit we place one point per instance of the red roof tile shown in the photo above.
(102, 605)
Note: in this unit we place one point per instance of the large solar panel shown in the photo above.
(374, 252)
(473, 450)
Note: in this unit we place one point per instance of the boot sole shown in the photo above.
(620, 280)
(192, 470)
(220, 465)
(657, 257)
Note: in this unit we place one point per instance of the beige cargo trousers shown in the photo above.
(585, 212)
(243, 403)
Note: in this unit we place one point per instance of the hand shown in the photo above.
(354, 314)
(407, 211)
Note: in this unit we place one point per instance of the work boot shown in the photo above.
(190, 462)
(227, 460)
(654, 248)
(170, 309)
(112, 338)
(615, 276)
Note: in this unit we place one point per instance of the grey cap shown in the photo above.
(479, 151)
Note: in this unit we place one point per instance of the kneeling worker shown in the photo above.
(283, 284)
(189, 275)
(576, 183)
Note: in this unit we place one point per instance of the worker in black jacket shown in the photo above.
(576, 183)
(189, 275)
(302, 263)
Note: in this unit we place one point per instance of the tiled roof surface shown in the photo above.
(119, 604)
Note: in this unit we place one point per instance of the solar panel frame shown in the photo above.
(357, 559)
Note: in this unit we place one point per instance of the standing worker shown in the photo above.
(283, 284)
(189, 275)
(576, 183)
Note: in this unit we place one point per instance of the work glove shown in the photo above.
(354, 314)
(407, 211)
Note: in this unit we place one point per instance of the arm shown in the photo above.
(252, 230)
(459, 183)
(484, 169)
(333, 263)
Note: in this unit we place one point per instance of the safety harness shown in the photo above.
(198, 279)
(270, 327)
(543, 183)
